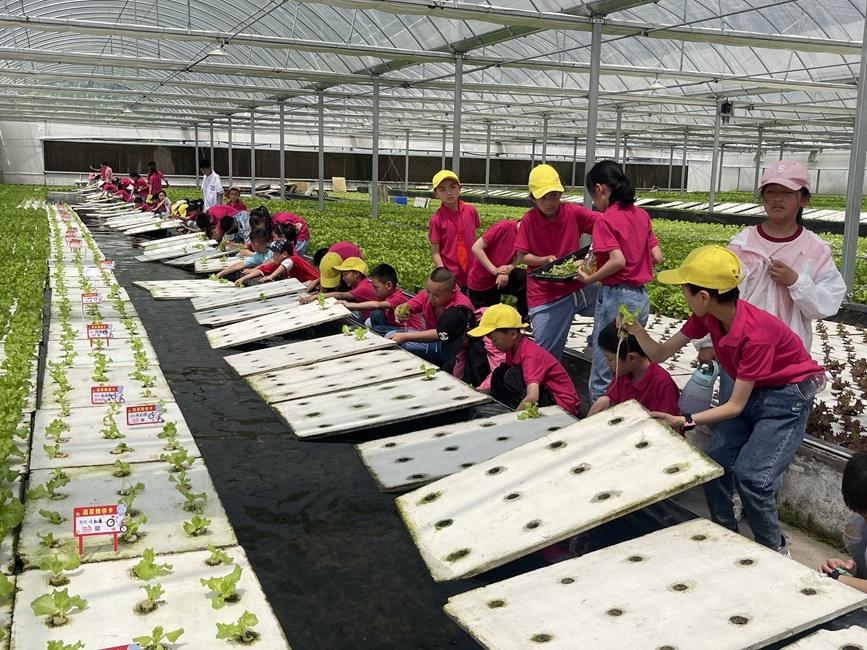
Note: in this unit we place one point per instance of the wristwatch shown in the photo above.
(688, 424)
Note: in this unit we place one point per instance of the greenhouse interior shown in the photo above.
(282, 276)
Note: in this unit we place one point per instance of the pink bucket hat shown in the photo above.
(787, 173)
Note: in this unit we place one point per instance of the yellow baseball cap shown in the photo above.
(709, 267)
(444, 175)
(544, 179)
(353, 264)
(329, 277)
(497, 317)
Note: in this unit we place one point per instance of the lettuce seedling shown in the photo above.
(111, 432)
(360, 333)
(60, 645)
(48, 540)
(177, 460)
(122, 469)
(152, 601)
(181, 479)
(11, 511)
(55, 430)
(130, 535)
(428, 372)
(56, 607)
(169, 432)
(49, 489)
(57, 566)
(53, 451)
(531, 411)
(146, 569)
(191, 498)
(347, 330)
(218, 556)
(53, 516)
(154, 641)
(239, 631)
(225, 588)
(198, 526)
(121, 448)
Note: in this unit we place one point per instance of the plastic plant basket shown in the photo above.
(541, 272)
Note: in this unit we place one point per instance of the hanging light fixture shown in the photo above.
(218, 51)
(656, 85)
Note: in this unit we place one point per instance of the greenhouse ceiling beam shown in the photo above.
(24, 93)
(57, 91)
(567, 20)
(333, 78)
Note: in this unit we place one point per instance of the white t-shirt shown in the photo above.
(211, 189)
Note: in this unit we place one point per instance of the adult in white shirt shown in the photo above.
(212, 189)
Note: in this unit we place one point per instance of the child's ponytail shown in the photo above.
(610, 174)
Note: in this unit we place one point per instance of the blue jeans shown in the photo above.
(301, 247)
(378, 324)
(428, 351)
(609, 301)
(551, 321)
(754, 449)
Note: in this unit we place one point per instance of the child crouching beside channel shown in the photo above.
(529, 374)
(635, 376)
(389, 297)
(761, 426)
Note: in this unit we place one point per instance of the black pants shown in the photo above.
(508, 387)
(516, 286)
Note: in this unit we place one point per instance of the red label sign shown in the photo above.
(144, 414)
(91, 298)
(106, 394)
(99, 331)
(74, 244)
(106, 265)
(98, 520)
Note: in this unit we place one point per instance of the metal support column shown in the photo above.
(722, 153)
(253, 153)
(683, 163)
(406, 166)
(574, 161)
(544, 139)
(715, 155)
(533, 155)
(282, 150)
(855, 186)
(782, 149)
(488, 159)
(231, 171)
(374, 167)
(625, 153)
(321, 153)
(593, 100)
(196, 154)
(456, 135)
(617, 132)
(758, 167)
(211, 139)
(670, 167)
(443, 165)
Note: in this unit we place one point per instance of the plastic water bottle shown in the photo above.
(698, 392)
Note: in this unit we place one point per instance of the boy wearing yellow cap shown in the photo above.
(551, 230)
(353, 272)
(452, 228)
(529, 373)
(761, 426)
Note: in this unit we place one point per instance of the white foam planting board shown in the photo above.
(263, 327)
(194, 238)
(212, 265)
(152, 227)
(303, 352)
(88, 446)
(413, 459)
(249, 294)
(247, 310)
(210, 253)
(173, 252)
(97, 486)
(550, 489)
(81, 380)
(375, 406)
(119, 332)
(691, 586)
(851, 638)
(336, 375)
(112, 593)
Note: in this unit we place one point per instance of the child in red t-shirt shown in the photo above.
(389, 297)
(353, 271)
(762, 425)
(626, 250)
(284, 262)
(530, 374)
(635, 376)
(452, 228)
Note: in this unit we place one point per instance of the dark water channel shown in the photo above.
(331, 552)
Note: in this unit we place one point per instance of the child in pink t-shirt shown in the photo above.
(626, 250)
(389, 297)
(635, 376)
(529, 375)
(475, 359)
(452, 228)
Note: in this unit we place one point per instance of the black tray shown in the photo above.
(580, 254)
